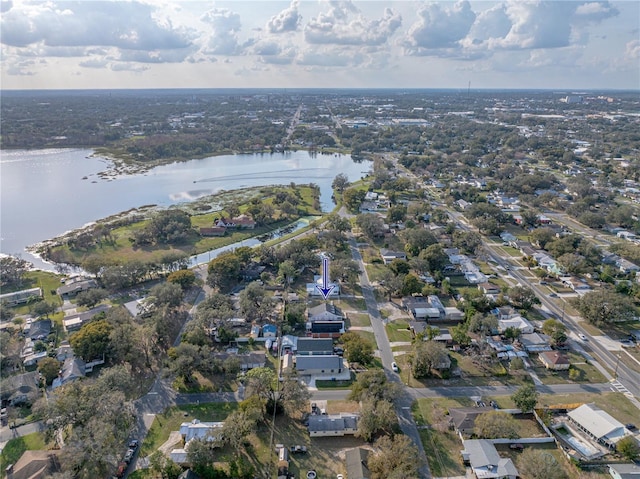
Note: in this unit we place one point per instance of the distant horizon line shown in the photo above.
(284, 89)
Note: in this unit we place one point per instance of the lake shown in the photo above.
(45, 193)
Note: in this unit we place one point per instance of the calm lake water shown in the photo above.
(44, 193)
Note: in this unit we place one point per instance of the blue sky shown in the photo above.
(330, 44)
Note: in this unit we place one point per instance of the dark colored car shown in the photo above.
(516, 446)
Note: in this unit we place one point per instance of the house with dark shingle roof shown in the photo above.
(322, 425)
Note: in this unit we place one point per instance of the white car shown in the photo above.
(395, 368)
(583, 337)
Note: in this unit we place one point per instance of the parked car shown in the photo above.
(630, 427)
(516, 446)
(133, 444)
(583, 337)
(394, 366)
(129, 455)
(298, 449)
(553, 295)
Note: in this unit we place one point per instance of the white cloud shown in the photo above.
(127, 25)
(632, 51)
(439, 27)
(94, 63)
(338, 27)
(130, 67)
(330, 58)
(223, 39)
(285, 21)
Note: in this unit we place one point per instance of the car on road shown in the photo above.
(394, 366)
(583, 337)
(133, 444)
(129, 455)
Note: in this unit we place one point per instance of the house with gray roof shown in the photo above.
(71, 289)
(485, 461)
(319, 365)
(314, 347)
(464, 418)
(325, 312)
(624, 471)
(322, 425)
(356, 462)
(73, 368)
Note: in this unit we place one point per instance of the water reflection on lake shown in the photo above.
(45, 193)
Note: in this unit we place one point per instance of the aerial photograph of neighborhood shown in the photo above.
(332, 239)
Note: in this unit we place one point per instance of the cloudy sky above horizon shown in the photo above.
(329, 43)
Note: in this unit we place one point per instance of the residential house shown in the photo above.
(463, 419)
(598, 425)
(453, 314)
(247, 360)
(73, 368)
(576, 284)
(485, 461)
(75, 321)
(517, 322)
(489, 288)
(208, 431)
(325, 312)
(35, 465)
(535, 342)
(20, 297)
(329, 365)
(505, 312)
(313, 289)
(39, 330)
(388, 256)
(323, 425)
(554, 360)
(626, 266)
(325, 329)
(314, 347)
(20, 386)
(356, 461)
(74, 287)
(624, 471)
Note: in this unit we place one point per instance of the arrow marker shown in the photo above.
(326, 289)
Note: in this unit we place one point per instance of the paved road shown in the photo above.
(405, 400)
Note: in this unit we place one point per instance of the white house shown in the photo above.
(517, 322)
(598, 424)
(485, 461)
(195, 429)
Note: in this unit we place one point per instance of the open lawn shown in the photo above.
(358, 320)
(398, 331)
(351, 304)
(441, 445)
